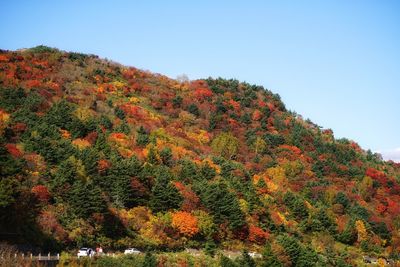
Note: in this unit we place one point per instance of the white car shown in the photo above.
(255, 255)
(131, 251)
(86, 252)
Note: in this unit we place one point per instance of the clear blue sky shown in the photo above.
(335, 62)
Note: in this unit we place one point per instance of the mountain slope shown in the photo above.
(93, 152)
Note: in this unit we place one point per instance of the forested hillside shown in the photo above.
(96, 153)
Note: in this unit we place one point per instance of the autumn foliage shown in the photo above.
(41, 193)
(93, 152)
(185, 222)
(257, 235)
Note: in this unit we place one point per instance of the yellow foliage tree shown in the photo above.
(361, 231)
(225, 144)
(4, 118)
(278, 176)
(186, 117)
(83, 113)
(205, 223)
(259, 145)
(134, 100)
(293, 168)
(81, 143)
(200, 136)
(330, 194)
(382, 262)
(244, 206)
(153, 231)
(137, 217)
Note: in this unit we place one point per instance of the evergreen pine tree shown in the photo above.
(152, 155)
(246, 260)
(177, 101)
(64, 177)
(142, 137)
(296, 205)
(60, 115)
(226, 262)
(192, 108)
(269, 258)
(291, 246)
(212, 122)
(307, 258)
(120, 178)
(149, 260)
(166, 156)
(349, 235)
(188, 171)
(119, 113)
(123, 128)
(210, 247)
(165, 196)
(207, 172)
(86, 199)
(223, 204)
(89, 157)
(121, 191)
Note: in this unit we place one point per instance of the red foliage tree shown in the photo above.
(41, 193)
(256, 115)
(132, 110)
(13, 150)
(190, 200)
(393, 206)
(33, 84)
(257, 235)
(19, 127)
(139, 189)
(294, 149)
(376, 175)
(261, 104)
(380, 208)
(49, 224)
(202, 93)
(234, 104)
(91, 137)
(4, 58)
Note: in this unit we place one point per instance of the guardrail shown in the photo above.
(39, 257)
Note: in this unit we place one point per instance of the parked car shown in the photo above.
(255, 255)
(131, 251)
(86, 252)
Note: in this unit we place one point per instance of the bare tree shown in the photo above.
(183, 78)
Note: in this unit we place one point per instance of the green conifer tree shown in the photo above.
(246, 260)
(226, 262)
(269, 258)
(223, 204)
(149, 260)
(142, 137)
(165, 196)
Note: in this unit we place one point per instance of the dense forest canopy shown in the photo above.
(96, 153)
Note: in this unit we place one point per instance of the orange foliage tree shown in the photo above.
(185, 222)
